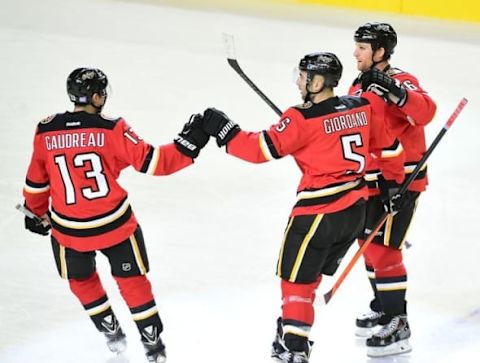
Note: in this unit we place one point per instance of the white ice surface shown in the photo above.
(213, 230)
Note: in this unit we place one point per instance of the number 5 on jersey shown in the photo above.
(348, 141)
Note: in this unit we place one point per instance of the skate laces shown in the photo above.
(371, 315)
(389, 329)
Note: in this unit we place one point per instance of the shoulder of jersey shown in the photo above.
(110, 118)
(48, 119)
(63, 121)
(393, 71)
(303, 106)
(353, 101)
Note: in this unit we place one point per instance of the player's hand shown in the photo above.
(217, 124)
(41, 227)
(384, 86)
(392, 200)
(192, 138)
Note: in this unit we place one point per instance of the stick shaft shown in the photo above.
(327, 296)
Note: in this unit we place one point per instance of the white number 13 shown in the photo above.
(96, 172)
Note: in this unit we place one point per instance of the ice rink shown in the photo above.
(213, 230)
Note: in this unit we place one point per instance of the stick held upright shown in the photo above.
(232, 61)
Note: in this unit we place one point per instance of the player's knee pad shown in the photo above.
(135, 290)
(87, 290)
(386, 261)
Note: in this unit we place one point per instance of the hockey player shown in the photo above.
(72, 183)
(330, 138)
(409, 109)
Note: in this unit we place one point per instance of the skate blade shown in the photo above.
(117, 347)
(363, 332)
(400, 347)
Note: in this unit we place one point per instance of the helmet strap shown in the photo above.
(309, 95)
(98, 109)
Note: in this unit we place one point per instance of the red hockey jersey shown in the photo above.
(407, 123)
(77, 158)
(331, 142)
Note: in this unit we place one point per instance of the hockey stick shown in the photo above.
(30, 214)
(232, 61)
(328, 296)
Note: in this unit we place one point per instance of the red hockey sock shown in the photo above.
(298, 301)
(135, 290)
(87, 290)
(387, 262)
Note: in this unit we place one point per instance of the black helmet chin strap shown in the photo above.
(98, 109)
(373, 54)
(308, 96)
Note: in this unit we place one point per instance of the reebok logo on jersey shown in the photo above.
(71, 124)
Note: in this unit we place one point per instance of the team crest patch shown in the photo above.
(305, 105)
(393, 71)
(46, 120)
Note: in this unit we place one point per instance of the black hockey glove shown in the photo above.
(383, 85)
(217, 124)
(36, 226)
(192, 138)
(392, 201)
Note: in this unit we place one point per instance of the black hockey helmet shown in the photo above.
(324, 63)
(379, 35)
(83, 83)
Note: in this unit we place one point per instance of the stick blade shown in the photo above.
(327, 297)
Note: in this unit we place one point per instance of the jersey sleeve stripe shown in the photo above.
(147, 161)
(392, 151)
(31, 190)
(267, 147)
(36, 188)
(154, 162)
